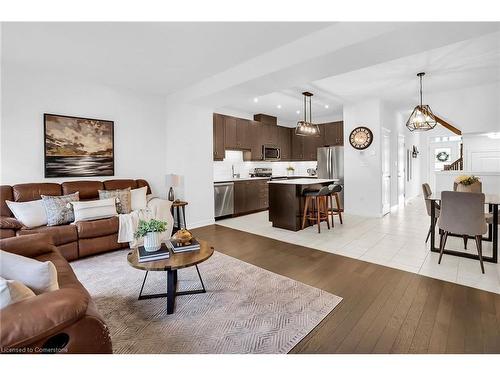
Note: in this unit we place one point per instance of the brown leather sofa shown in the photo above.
(62, 321)
(73, 241)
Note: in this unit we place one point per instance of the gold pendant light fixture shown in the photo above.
(422, 118)
(306, 126)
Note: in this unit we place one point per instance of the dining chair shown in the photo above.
(462, 213)
(426, 189)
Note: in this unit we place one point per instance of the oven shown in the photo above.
(270, 152)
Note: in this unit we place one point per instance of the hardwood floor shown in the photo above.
(384, 310)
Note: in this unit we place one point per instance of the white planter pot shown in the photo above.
(152, 241)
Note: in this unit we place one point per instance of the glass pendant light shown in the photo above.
(306, 127)
(422, 118)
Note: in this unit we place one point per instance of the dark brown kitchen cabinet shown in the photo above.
(243, 134)
(310, 147)
(284, 142)
(297, 147)
(218, 141)
(250, 196)
(333, 133)
(255, 136)
(269, 134)
(230, 133)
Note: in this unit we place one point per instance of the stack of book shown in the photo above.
(146, 256)
(179, 248)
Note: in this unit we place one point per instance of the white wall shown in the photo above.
(481, 153)
(362, 169)
(139, 129)
(188, 147)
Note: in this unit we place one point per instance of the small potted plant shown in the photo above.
(470, 184)
(151, 230)
(290, 170)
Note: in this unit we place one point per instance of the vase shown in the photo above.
(472, 188)
(152, 241)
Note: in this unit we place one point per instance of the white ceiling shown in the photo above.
(153, 57)
(459, 65)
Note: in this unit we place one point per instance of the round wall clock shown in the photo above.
(361, 138)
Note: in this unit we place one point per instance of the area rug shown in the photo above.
(246, 309)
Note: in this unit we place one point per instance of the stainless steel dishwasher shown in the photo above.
(224, 198)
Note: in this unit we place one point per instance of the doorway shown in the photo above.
(386, 171)
(401, 170)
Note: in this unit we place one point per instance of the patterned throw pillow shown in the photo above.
(58, 210)
(124, 201)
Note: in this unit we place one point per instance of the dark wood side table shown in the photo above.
(177, 206)
(170, 266)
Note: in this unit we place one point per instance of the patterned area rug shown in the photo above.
(246, 309)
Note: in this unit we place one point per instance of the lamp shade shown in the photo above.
(421, 119)
(173, 180)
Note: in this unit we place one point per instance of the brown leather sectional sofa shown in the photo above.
(62, 321)
(73, 240)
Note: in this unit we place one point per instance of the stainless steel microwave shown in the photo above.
(271, 152)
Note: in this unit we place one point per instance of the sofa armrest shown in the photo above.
(30, 245)
(33, 319)
(10, 223)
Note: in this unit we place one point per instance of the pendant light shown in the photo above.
(306, 127)
(422, 118)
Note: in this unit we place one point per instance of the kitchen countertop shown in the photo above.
(261, 178)
(304, 181)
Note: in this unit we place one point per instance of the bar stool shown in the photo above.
(334, 193)
(317, 200)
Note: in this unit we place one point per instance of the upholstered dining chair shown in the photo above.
(462, 213)
(426, 189)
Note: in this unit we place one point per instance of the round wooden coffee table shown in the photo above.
(171, 265)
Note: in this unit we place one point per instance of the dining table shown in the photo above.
(493, 201)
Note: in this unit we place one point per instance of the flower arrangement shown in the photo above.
(466, 180)
(151, 226)
(290, 168)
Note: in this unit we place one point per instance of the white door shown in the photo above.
(386, 171)
(401, 169)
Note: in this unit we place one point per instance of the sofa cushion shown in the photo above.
(40, 277)
(97, 228)
(88, 189)
(31, 192)
(6, 194)
(94, 210)
(12, 291)
(7, 233)
(120, 184)
(60, 234)
(123, 199)
(31, 214)
(58, 210)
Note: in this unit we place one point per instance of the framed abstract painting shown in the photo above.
(78, 147)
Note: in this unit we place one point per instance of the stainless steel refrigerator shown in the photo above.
(331, 165)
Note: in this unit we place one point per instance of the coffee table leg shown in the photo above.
(171, 290)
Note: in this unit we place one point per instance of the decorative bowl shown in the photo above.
(182, 237)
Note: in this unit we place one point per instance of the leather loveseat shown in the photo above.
(62, 321)
(73, 240)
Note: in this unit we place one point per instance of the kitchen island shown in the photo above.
(286, 201)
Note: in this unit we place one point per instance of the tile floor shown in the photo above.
(396, 240)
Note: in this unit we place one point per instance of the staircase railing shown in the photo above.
(458, 164)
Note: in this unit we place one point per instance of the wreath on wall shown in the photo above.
(443, 156)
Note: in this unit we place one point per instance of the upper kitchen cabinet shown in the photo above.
(218, 131)
(255, 137)
(333, 133)
(297, 144)
(243, 134)
(269, 134)
(230, 132)
(285, 142)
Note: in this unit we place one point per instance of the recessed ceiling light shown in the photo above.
(297, 112)
(255, 100)
(327, 106)
(278, 106)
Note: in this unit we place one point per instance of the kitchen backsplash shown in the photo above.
(222, 169)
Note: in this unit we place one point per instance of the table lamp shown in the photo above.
(173, 180)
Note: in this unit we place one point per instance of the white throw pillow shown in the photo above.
(12, 291)
(138, 197)
(93, 210)
(40, 277)
(32, 214)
